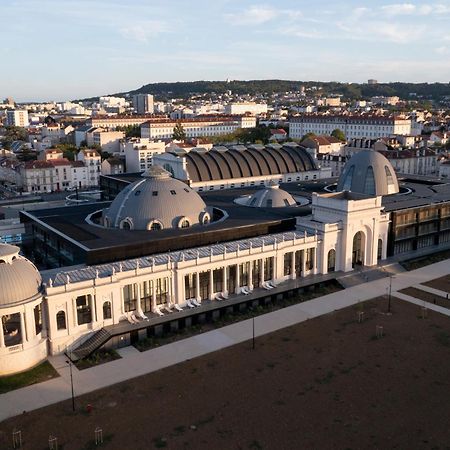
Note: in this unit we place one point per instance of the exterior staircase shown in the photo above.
(90, 345)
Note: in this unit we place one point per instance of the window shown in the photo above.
(107, 310)
(61, 320)
(244, 270)
(162, 290)
(38, 318)
(155, 225)
(173, 192)
(12, 330)
(137, 193)
(269, 203)
(184, 223)
(129, 297)
(218, 280)
(155, 193)
(287, 263)
(190, 283)
(83, 305)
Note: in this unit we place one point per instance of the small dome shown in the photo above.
(368, 172)
(20, 281)
(271, 197)
(156, 202)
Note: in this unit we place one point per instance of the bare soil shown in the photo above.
(327, 383)
(427, 297)
(442, 283)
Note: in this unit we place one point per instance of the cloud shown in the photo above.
(255, 15)
(408, 9)
(144, 31)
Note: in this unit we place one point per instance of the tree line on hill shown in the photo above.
(350, 91)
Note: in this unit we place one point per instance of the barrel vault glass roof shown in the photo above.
(243, 162)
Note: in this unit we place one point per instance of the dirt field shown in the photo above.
(426, 296)
(442, 283)
(328, 383)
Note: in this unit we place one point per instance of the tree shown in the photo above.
(13, 134)
(178, 132)
(338, 134)
(130, 130)
(308, 135)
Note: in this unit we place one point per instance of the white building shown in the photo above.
(198, 127)
(92, 161)
(143, 103)
(246, 108)
(17, 118)
(357, 126)
(139, 153)
(108, 140)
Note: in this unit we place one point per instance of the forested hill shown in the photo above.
(253, 87)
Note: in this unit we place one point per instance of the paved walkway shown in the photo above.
(134, 363)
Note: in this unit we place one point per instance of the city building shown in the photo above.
(246, 108)
(92, 161)
(129, 285)
(201, 126)
(139, 153)
(17, 118)
(108, 140)
(143, 104)
(237, 166)
(113, 166)
(353, 126)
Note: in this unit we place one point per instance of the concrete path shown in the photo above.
(431, 290)
(134, 363)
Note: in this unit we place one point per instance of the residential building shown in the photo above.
(17, 118)
(353, 126)
(324, 145)
(92, 161)
(139, 153)
(246, 108)
(143, 104)
(113, 166)
(201, 126)
(119, 120)
(108, 140)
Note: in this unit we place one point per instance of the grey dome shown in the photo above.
(368, 172)
(158, 201)
(20, 281)
(271, 197)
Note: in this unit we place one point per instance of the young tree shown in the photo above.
(178, 132)
(338, 134)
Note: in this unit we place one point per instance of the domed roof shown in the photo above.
(20, 281)
(368, 172)
(271, 197)
(158, 201)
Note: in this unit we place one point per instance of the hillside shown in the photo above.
(429, 91)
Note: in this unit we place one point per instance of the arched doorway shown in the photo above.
(358, 249)
(331, 260)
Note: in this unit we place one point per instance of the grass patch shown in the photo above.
(97, 358)
(38, 374)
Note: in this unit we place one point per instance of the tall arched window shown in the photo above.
(332, 260)
(61, 320)
(107, 310)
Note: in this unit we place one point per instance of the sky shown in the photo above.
(67, 49)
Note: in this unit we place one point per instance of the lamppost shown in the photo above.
(71, 383)
(390, 292)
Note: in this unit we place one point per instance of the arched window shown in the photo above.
(184, 223)
(154, 225)
(205, 219)
(107, 310)
(369, 185)
(332, 260)
(347, 185)
(126, 224)
(61, 320)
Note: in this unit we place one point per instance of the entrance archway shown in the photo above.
(331, 260)
(358, 249)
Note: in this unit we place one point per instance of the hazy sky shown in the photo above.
(64, 49)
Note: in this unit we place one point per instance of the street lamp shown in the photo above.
(71, 383)
(390, 292)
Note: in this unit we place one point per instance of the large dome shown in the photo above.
(20, 281)
(368, 172)
(271, 197)
(156, 202)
